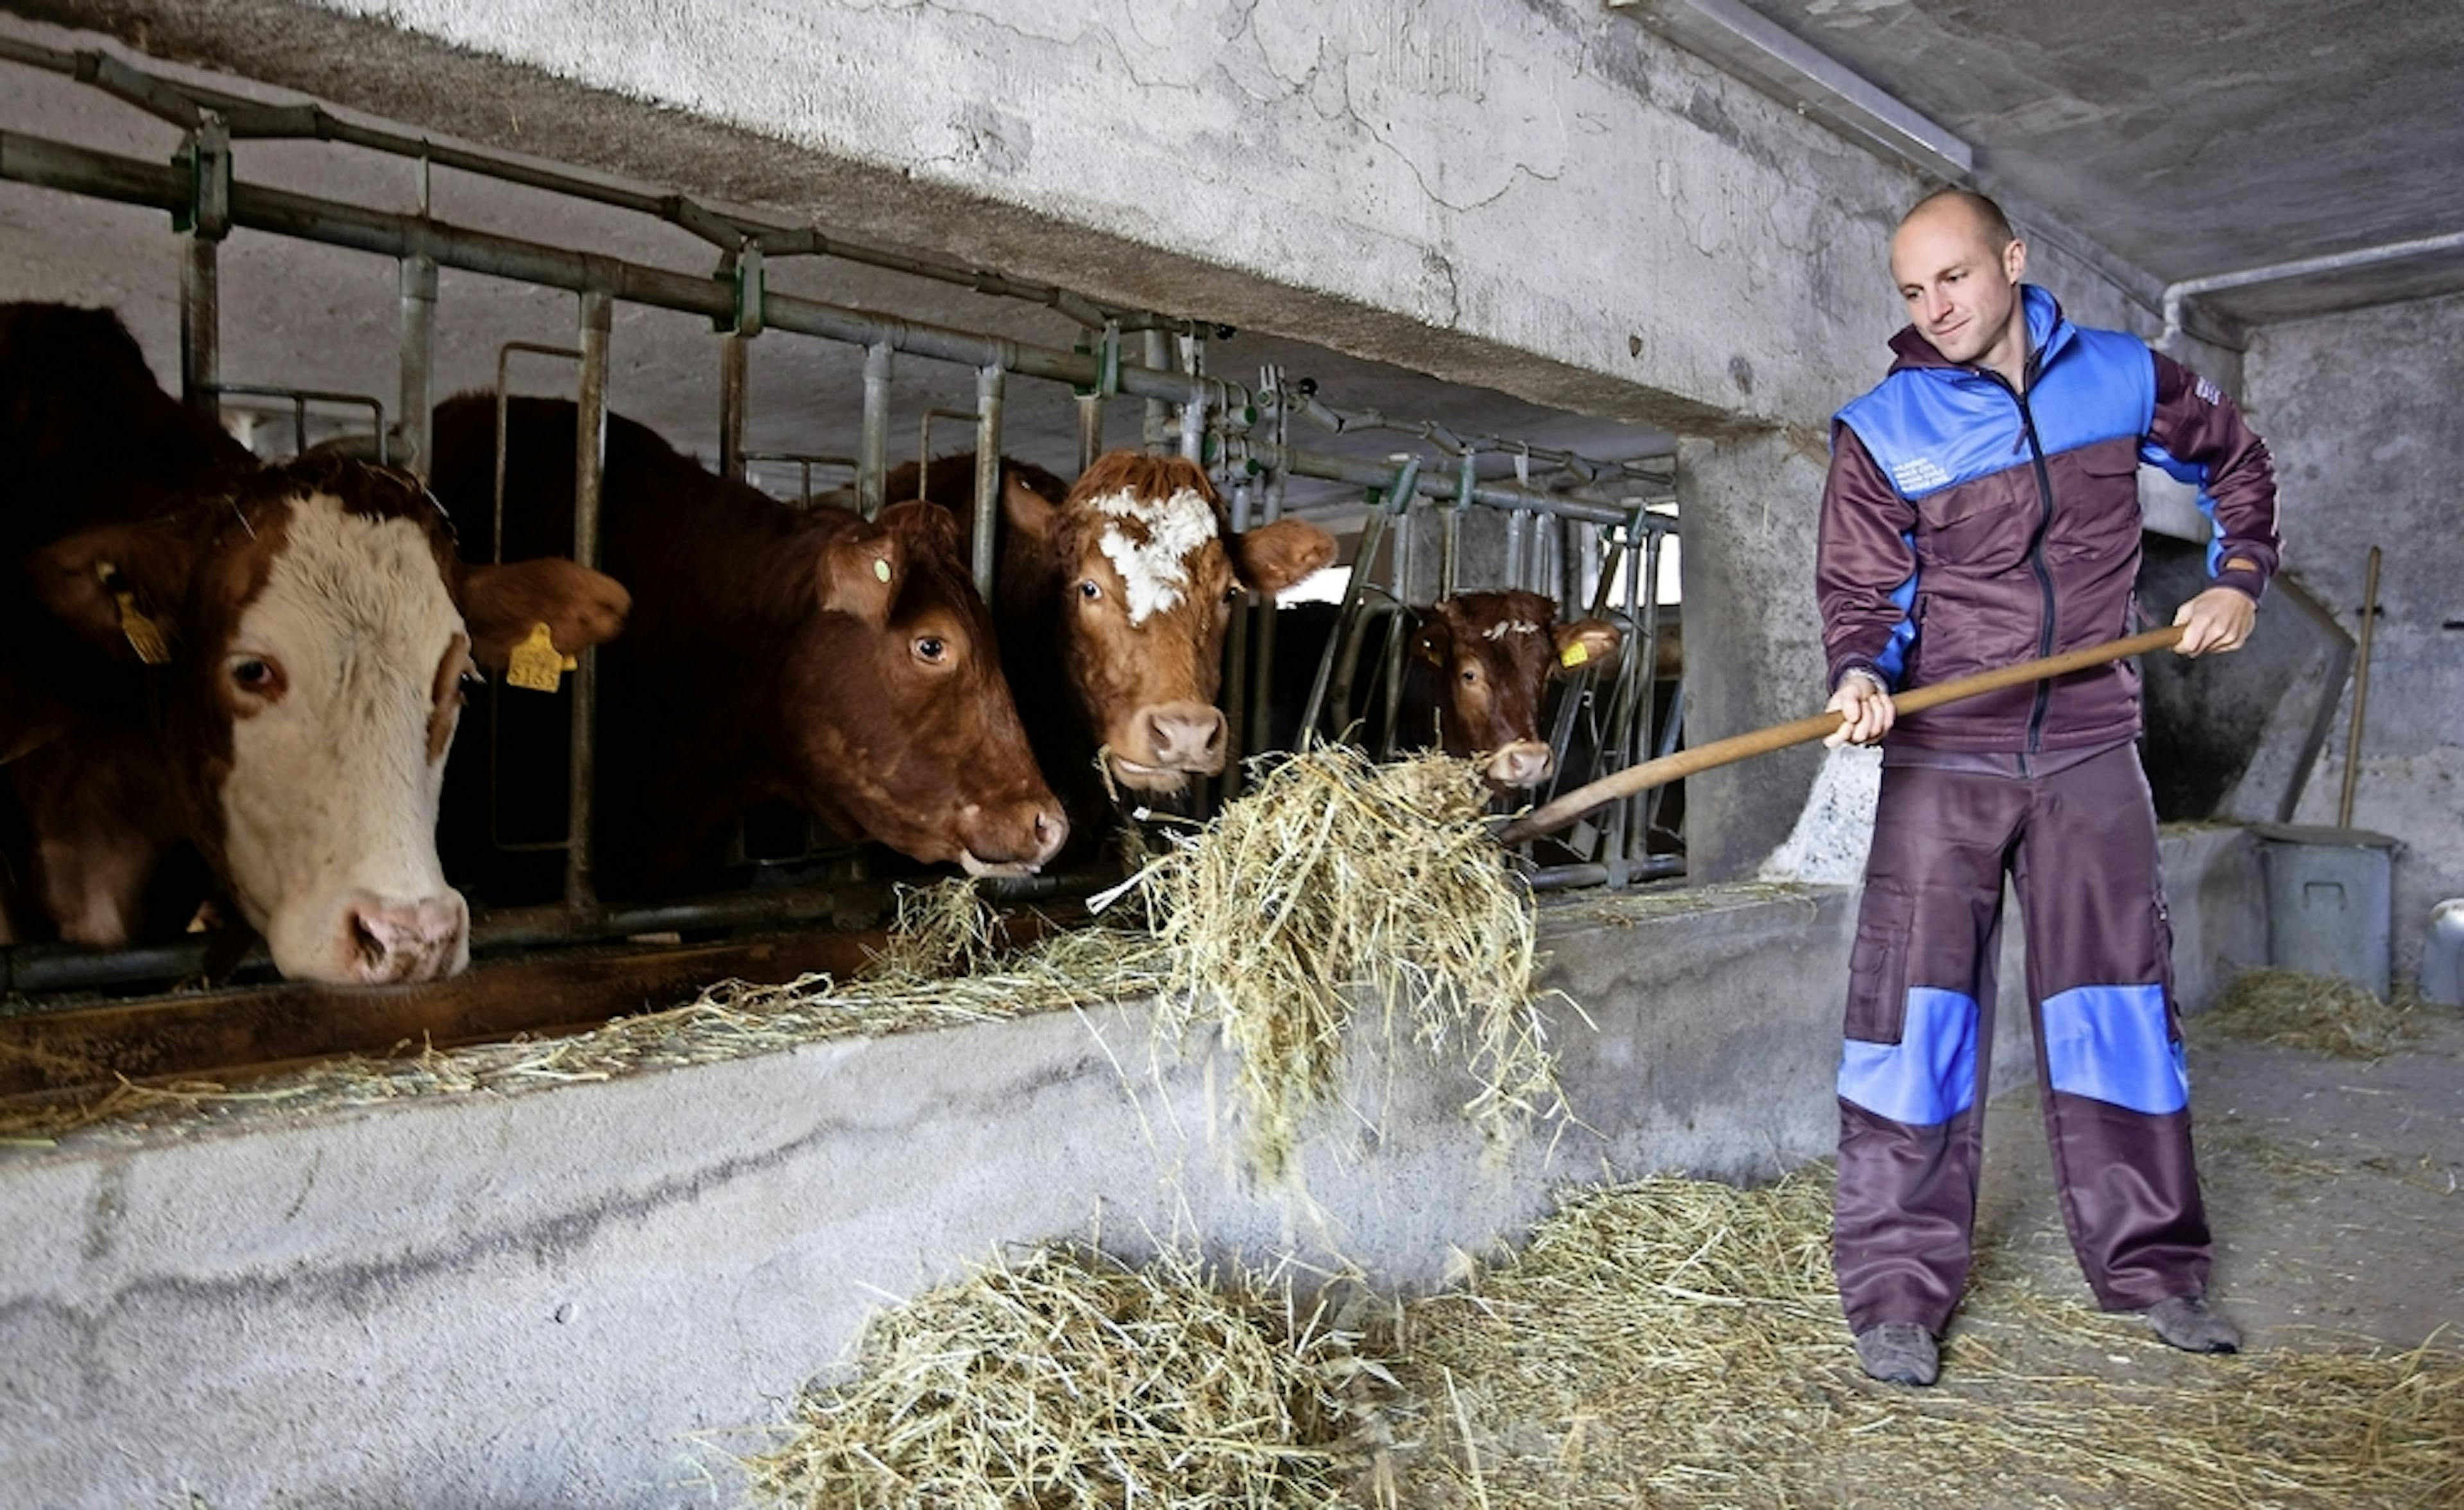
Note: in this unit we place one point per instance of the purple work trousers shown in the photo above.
(2079, 843)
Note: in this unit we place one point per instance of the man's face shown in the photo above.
(1961, 291)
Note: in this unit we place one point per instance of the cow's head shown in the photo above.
(316, 636)
(899, 723)
(1146, 569)
(1494, 653)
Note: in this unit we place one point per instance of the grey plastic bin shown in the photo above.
(2330, 901)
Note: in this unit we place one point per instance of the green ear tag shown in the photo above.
(881, 568)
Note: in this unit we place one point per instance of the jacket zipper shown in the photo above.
(2036, 544)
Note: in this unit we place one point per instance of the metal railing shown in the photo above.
(1243, 435)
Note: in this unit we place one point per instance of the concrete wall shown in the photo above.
(535, 1299)
(2360, 411)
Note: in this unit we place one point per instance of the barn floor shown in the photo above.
(2333, 1187)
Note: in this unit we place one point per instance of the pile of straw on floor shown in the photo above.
(1336, 879)
(1063, 1379)
(1676, 1343)
(2319, 1013)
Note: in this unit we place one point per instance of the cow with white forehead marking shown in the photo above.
(1111, 602)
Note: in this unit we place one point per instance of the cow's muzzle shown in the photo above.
(383, 941)
(1525, 762)
(1169, 743)
(1014, 840)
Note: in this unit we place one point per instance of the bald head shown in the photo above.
(1958, 267)
(1955, 205)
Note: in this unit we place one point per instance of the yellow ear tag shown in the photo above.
(1574, 654)
(144, 635)
(535, 663)
(881, 568)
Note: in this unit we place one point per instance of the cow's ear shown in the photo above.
(1277, 556)
(1027, 512)
(118, 585)
(1587, 642)
(504, 606)
(859, 571)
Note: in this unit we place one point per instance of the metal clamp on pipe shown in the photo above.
(747, 277)
(207, 156)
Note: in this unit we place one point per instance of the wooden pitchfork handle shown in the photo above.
(1669, 768)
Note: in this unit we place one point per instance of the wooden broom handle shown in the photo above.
(1669, 768)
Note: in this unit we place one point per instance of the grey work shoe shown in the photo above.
(2186, 1321)
(1899, 1352)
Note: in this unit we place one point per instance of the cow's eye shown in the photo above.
(255, 674)
(931, 649)
(1089, 589)
(1471, 676)
(472, 683)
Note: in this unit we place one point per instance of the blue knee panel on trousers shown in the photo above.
(2110, 1042)
(1929, 1076)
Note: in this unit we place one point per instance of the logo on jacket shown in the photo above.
(1918, 473)
(2209, 393)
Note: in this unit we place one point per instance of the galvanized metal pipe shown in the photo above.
(1158, 425)
(416, 400)
(1267, 456)
(200, 321)
(58, 164)
(181, 102)
(735, 348)
(589, 463)
(872, 446)
(1647, 679)
(988, 474)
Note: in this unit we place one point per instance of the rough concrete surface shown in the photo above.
(2360, 412)
(1537, 197)
(540, 1299)
(2331, 1185)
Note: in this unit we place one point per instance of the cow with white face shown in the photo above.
(315, 638)
(1111, 602)
(269, 666)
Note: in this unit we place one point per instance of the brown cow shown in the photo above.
(844, 667)
(1492, 654)
(1475, 678)
(1112, 599)
(266, 665)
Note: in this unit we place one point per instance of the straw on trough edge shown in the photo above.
(1337, 875)
(728, 1020)
(1062, 1377)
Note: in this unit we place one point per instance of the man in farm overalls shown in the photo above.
(1981, 509)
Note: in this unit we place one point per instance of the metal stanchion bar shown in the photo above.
(589, 461)
(417, 395)
(988, 472)
(300, 398)
(1158, 410)
(873, 445)
(733, 348)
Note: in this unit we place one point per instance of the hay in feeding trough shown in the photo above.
(1065, 1379)
(731, 1019)
(1337, 875)
(941, 930)
(2317, 1013)
(1677, 1342)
